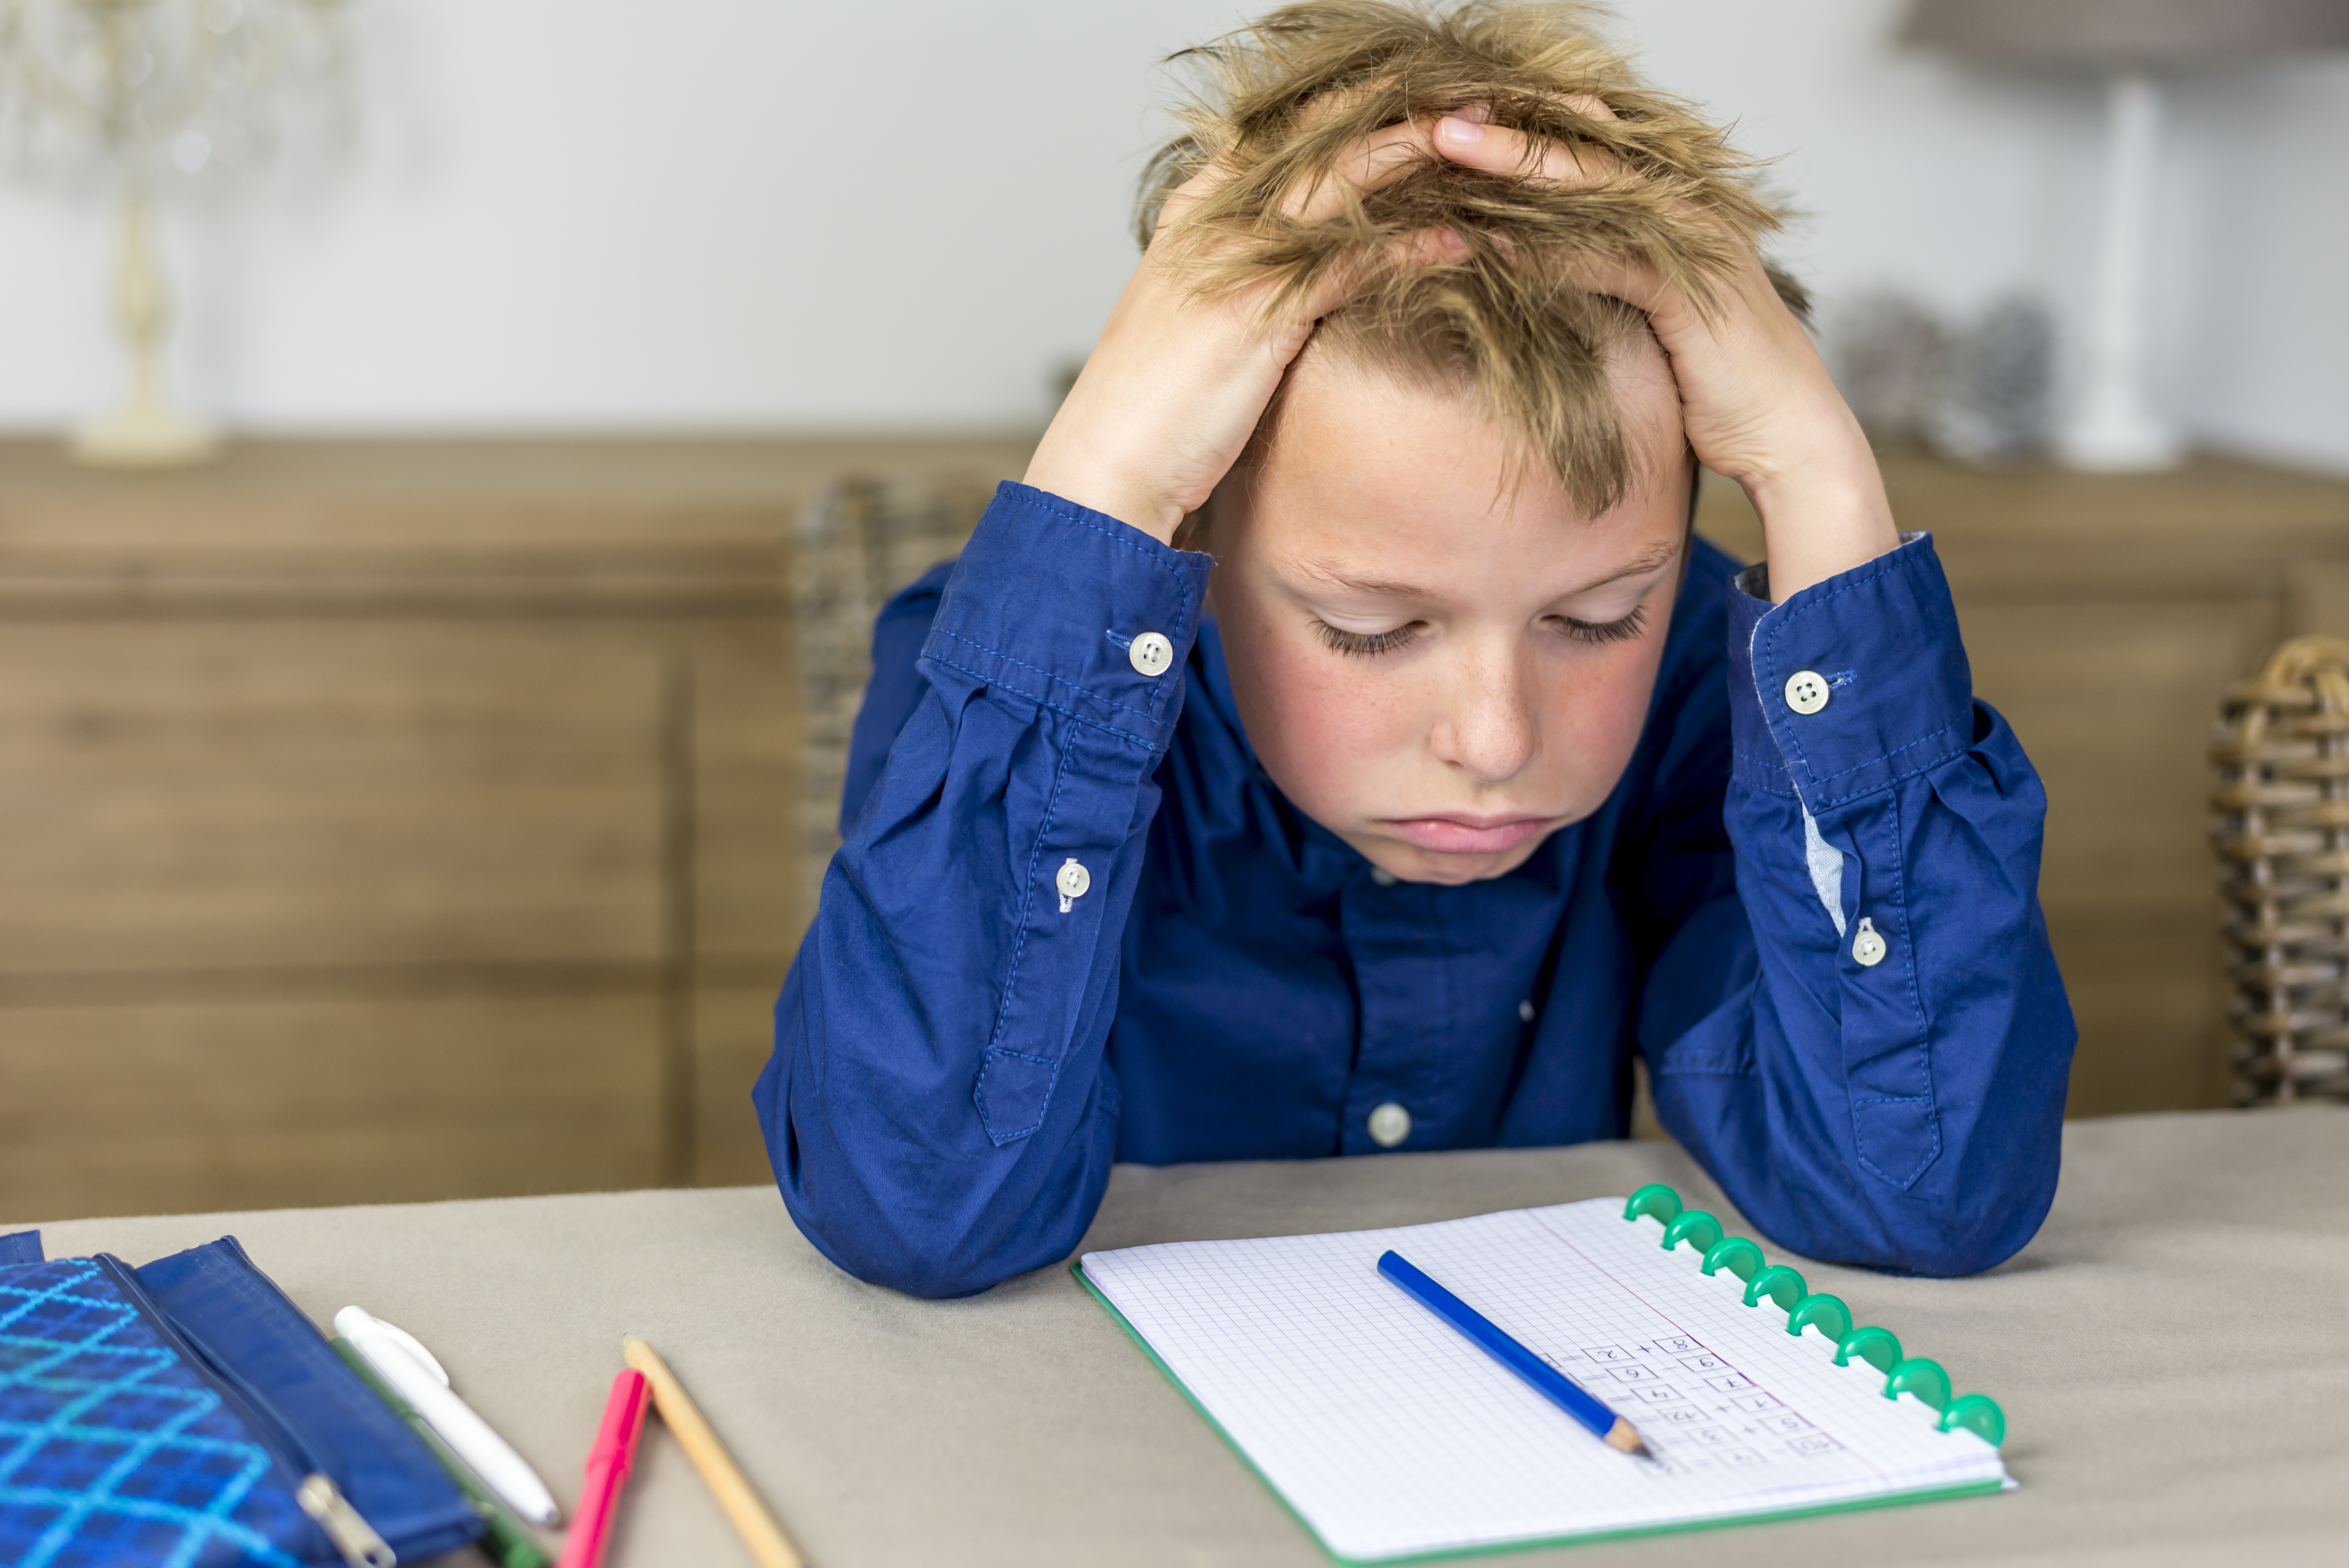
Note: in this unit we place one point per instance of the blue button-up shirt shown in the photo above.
(963, 1048)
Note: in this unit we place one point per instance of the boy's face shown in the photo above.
(1438, 667)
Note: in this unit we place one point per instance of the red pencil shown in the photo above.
(608, 1463)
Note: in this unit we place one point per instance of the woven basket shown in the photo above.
(2280, 826)
(857, 544)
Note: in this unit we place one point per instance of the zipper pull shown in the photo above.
(353, 1536)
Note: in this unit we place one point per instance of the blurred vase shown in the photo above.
(1994, 390)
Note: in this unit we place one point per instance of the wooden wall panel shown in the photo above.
(2144, 985)
(733, 1032)
(2115, 706)
(272, 793)
(177, 1106)
(747, 744)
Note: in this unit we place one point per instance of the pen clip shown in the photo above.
(351, 1316)
(408, 1342)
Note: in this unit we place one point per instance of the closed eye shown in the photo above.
(1622, 631)
(1367, 645)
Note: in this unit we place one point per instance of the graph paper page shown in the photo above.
(1392, 1434)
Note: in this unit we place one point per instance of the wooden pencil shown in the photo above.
(743, 1508)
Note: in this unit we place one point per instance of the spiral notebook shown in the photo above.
(1392, 1436)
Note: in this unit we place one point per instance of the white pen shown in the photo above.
(416, 1377)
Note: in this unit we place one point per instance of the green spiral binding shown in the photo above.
(1780, 1284)
(1979, 1414)
(1921, 1377)
(1740, 1256)
(1806, 1308)
(1828, 1311)
(1880, 1347)
(1655, 1199)
(1693, 1225)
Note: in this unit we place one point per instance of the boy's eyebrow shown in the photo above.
(1649, 559)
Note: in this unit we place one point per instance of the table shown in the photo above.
(2172, 1353)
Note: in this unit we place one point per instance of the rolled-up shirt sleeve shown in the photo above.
(1867, 1042)
(936, 1108)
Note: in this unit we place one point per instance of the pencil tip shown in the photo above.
(1623, 1437)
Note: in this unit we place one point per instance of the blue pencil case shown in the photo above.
(187, 1413)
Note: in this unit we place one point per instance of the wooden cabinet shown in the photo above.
(387, 820)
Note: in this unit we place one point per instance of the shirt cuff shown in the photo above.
(1881, 644)
(1068, 607)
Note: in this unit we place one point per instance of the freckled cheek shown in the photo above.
(1592, 717)
(1322, 728)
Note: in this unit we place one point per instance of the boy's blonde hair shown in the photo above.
(1514, 320)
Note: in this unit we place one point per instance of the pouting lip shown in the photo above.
(1467, 835)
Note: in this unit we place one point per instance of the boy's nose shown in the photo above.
(1488, 728)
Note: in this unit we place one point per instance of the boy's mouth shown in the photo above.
(1467, 835)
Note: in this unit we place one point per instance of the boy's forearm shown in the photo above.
(1823, 505)
(933, 1105)
(1878, 1077)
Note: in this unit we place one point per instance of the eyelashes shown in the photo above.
(1621, 631)
(1366, 645)
(1370, 644)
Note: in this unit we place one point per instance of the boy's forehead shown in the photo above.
(1359, 464)
(1336, 415)
(1368, 572)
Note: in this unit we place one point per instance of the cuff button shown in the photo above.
(1073, 881)
(1150, 654)
(1868, 947)
(1806, 691)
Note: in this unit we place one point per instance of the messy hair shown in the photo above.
(1275, 104)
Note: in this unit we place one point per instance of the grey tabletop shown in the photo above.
(2172, 1353)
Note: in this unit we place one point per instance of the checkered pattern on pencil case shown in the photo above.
(112, 1450)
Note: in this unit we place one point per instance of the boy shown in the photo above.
(1467, 772)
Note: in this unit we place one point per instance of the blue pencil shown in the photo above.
(1547, 1380)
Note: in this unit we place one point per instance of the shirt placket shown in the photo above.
(1395, 1094)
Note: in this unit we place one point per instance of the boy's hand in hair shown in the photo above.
(1171, 392)
(1758, 402)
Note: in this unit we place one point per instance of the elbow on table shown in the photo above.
(909, 1246)
(930, 1275)
(1970, 1228)
(921, 1249)
(1952, 1253)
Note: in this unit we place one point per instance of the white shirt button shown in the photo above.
(1389, 1125)
(1150, 654)
(1806, 691)
(1525, 1012)
(1383, 877)
(1074, 880)
(1868, 947)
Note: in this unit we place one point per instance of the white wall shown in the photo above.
(760, 215)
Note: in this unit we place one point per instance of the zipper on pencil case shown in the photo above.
(299, 1469)
(427, 1537)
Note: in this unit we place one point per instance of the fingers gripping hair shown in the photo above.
(1277, 104)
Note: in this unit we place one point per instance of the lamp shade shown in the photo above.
(2125, 33)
